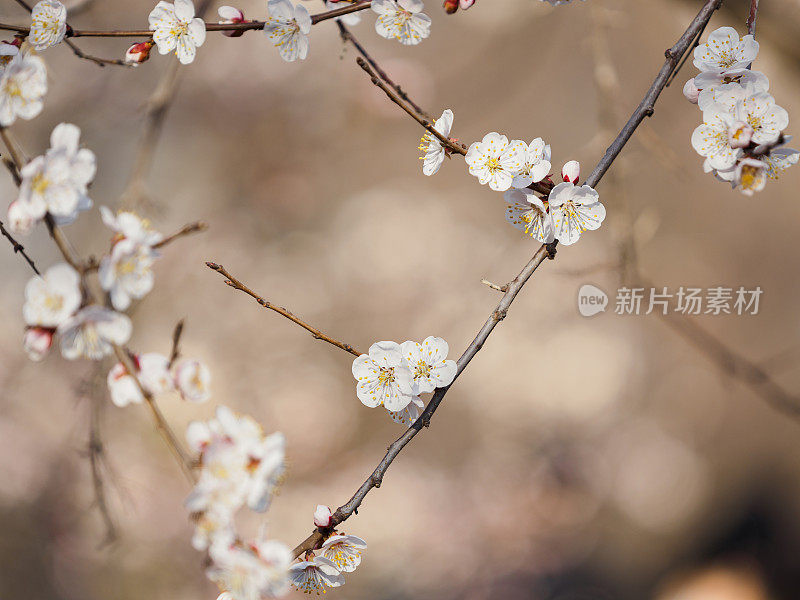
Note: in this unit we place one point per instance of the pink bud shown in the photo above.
(450, 6)
(37, 342)
(691, 91)
(138, 53)
(322, 516)
(465, 4)
(571, 171)
(740, 134)
(230, 15)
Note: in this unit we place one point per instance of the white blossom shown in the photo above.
(779, 159)
(212, 526)
(724, 51)
(344, 551)
(127, 225)
(409, 414)
(48, 25)
(751, 176)
(37, 342)
(731, 93)
(429, 365)
(126, 273)
(250, 573)
(22, 87)
(535, 166)
(691, 91)
(433, 151)
(496, 161)
(383, 377)
(8, 50)
(193, 379)
(766, 118)
(52, 298)
(402, 20)
(711, 138)
(574, 210)
(287, 27)
(350, 19)
(311, 576)
(57, 182)
(175, 28)
(708, 81)
(526, 211)
(92, 332)
(153, 374)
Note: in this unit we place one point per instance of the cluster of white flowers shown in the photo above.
(741, 136)
(512, 167)
(55, 183)
(340, 553)
(54, 304)
(239, 466)
(393, 375)
(190, 377)
(23, 84)
(287, 25)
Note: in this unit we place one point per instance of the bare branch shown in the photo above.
(189, 229)
(751, 19)
(318, 335)
(18, 248)
(347, 36)
(427, 125)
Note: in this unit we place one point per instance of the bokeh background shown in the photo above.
(576, 459)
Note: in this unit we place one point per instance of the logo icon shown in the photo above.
(591, 300)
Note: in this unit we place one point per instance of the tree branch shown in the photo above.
(318, 335)
(751, 19)
(18, 248)
(644, 109)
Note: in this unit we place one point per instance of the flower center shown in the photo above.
(749, 176)
(422, 369)
(386, 376)
(40, 184)
(493, 164)
(54, 302)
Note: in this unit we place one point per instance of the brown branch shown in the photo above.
(176, 343)
(347, 36)
(18, 248)
(751, 18)
(245, 26)
(318, 335)
(545, 251)
(123, 355)
(96, 452)
(189, 229)
(426, 124)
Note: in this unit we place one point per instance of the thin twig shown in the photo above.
(176, 343)
(427, 125)
(161, 422)
(96, 453)
(100, 62)
(318, 335)
(494, 286)
(347, 36)
(18, 248)
(751, 18)
(189, 229)
(545, 251)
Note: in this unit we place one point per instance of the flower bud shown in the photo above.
(230, 15)
(465, 4)
(691, 91)
(450, 6)
(571, 171)
(322, 516)
(138, 53)
(37, 342)
(751, 175)
(20, 219)
(740, 134)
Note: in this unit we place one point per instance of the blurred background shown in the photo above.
(576, 458)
